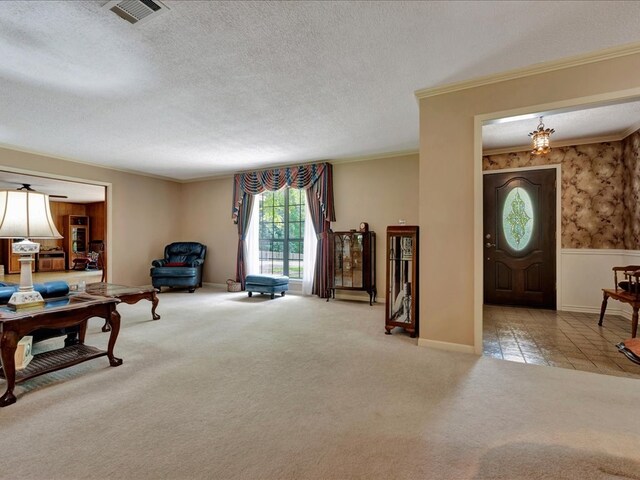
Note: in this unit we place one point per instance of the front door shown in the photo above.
(519, 238)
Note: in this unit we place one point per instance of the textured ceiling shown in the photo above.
(210, 88)
(73, 191)
(586, 123)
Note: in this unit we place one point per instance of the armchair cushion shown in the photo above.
(173, 272)
(174, 264)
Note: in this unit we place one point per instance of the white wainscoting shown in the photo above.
(585, 272)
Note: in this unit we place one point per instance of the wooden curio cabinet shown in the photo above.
(401, 308)
(76, 237)
(352, 262)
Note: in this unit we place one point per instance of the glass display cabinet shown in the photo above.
(401, 308)
(76, 238)
(353, 262)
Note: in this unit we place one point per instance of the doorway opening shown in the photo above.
(79, 211)
(519, 318)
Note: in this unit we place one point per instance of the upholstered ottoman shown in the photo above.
(271, 284)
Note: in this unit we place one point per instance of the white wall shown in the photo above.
(585, 272)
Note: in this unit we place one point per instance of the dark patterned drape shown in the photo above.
(243, 224)
(321, 226)
(317, 180)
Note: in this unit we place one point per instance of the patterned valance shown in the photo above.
(317, 175)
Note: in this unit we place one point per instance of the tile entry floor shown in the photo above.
(560, 339)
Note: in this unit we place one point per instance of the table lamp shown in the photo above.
(26, 214)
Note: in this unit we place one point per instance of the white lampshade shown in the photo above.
(25, 214)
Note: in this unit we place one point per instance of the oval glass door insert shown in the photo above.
(517, 218)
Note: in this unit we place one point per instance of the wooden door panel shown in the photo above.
(533, 278)
(519, 237)
(503, 280)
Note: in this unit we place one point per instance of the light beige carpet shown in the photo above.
(227, 387)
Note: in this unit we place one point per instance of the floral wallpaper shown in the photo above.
(631, 189)
(600, 189)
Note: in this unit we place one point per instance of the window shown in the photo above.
(282, 216)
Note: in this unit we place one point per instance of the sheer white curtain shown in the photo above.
(252, 242)
(310, 246)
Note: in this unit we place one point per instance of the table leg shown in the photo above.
(154, 303)
(114, 324)
(71, 339)
(8, 345)
(603, 308)
(82, 331)
(634, 322)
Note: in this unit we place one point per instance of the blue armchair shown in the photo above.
(180, 267)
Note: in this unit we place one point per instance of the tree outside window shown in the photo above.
(282, 216)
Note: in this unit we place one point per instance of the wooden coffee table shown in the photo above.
(125, 294)
(56, 313)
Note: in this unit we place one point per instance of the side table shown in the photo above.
(125, 294)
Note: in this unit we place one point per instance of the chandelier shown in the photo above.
(540, 139)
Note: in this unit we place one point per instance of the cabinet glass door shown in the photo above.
(79, 239)
(347, 260)
(400, 281)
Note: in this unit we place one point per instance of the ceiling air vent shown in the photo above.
(136, 11)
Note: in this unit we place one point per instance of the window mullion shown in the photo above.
(285, 249)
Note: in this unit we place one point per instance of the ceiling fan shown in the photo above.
(27, 188)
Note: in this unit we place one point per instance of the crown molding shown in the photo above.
(88, 164)
(381, 156)
(632, 129)
(209, 178)
(538, 68)
(400, 153)
(335, 161)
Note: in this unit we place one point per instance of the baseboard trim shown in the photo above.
(610, 311)
(452, 347)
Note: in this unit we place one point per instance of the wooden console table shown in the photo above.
(51, 260)
(125, 294)
(625, 297)
(57, 313)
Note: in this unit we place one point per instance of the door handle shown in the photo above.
(489, 244)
